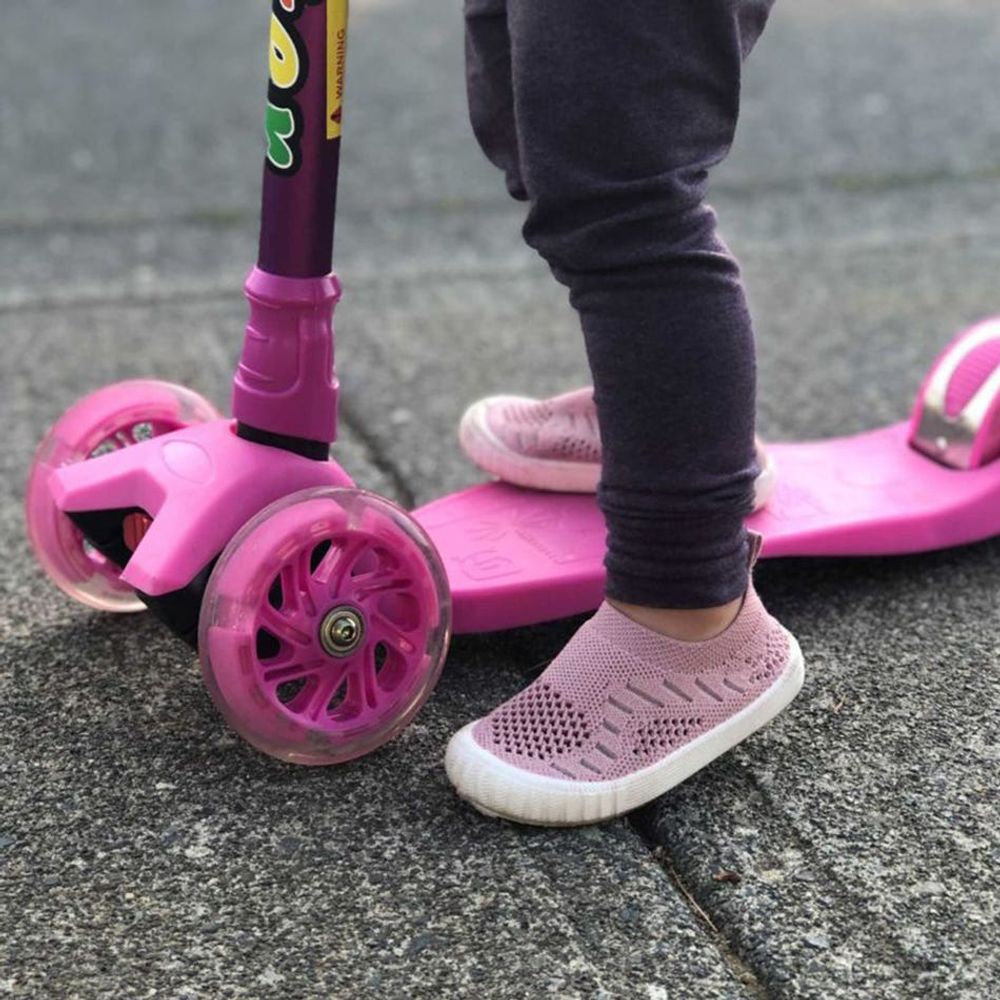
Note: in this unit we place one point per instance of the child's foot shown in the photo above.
(553, 444)
(622, 715)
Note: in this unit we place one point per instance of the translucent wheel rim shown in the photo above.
(325, 625)
(112, 418)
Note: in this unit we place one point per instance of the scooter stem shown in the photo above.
(285, 388)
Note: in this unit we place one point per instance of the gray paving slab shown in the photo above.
(162, 111)
(866, 310)
(49, 265)
(877, 797)
(144, 848)
(863, 93)
(115, 109)
(863, 824)
(146, 851)
(45, 264)
(149, 853)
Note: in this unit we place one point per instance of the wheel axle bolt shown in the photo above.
(341, 631)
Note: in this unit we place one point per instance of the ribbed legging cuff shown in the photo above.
(676, 562)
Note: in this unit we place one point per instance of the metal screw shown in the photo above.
(341, 631)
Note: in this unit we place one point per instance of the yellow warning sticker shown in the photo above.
(336, 61)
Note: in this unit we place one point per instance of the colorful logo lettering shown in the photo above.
(289, 69)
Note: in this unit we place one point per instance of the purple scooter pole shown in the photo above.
(285, 388)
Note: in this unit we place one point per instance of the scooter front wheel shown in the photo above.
(112, 418)
(324, 625)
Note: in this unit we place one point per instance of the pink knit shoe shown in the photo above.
(622, 715)
(553, 444)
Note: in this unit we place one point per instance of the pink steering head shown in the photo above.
(285, 383)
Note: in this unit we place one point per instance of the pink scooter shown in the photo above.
(322, 612)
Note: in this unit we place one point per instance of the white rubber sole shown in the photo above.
(500, 790)
(491, 455)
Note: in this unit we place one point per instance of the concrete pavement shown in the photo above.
(847, 851)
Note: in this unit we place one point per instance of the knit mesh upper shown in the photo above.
(563, 428)
(620, 696)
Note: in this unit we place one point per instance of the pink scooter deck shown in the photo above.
(519, 557)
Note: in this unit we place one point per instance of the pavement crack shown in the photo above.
(728, 939)
(743, 972)
(181, 293)
(184, 293)
(228, 217)
(377, 455)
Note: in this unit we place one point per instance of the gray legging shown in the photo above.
(606, 117)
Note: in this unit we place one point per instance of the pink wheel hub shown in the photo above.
(108, 420)
(325, 625)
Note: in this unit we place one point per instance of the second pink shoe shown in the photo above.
(553, 444)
